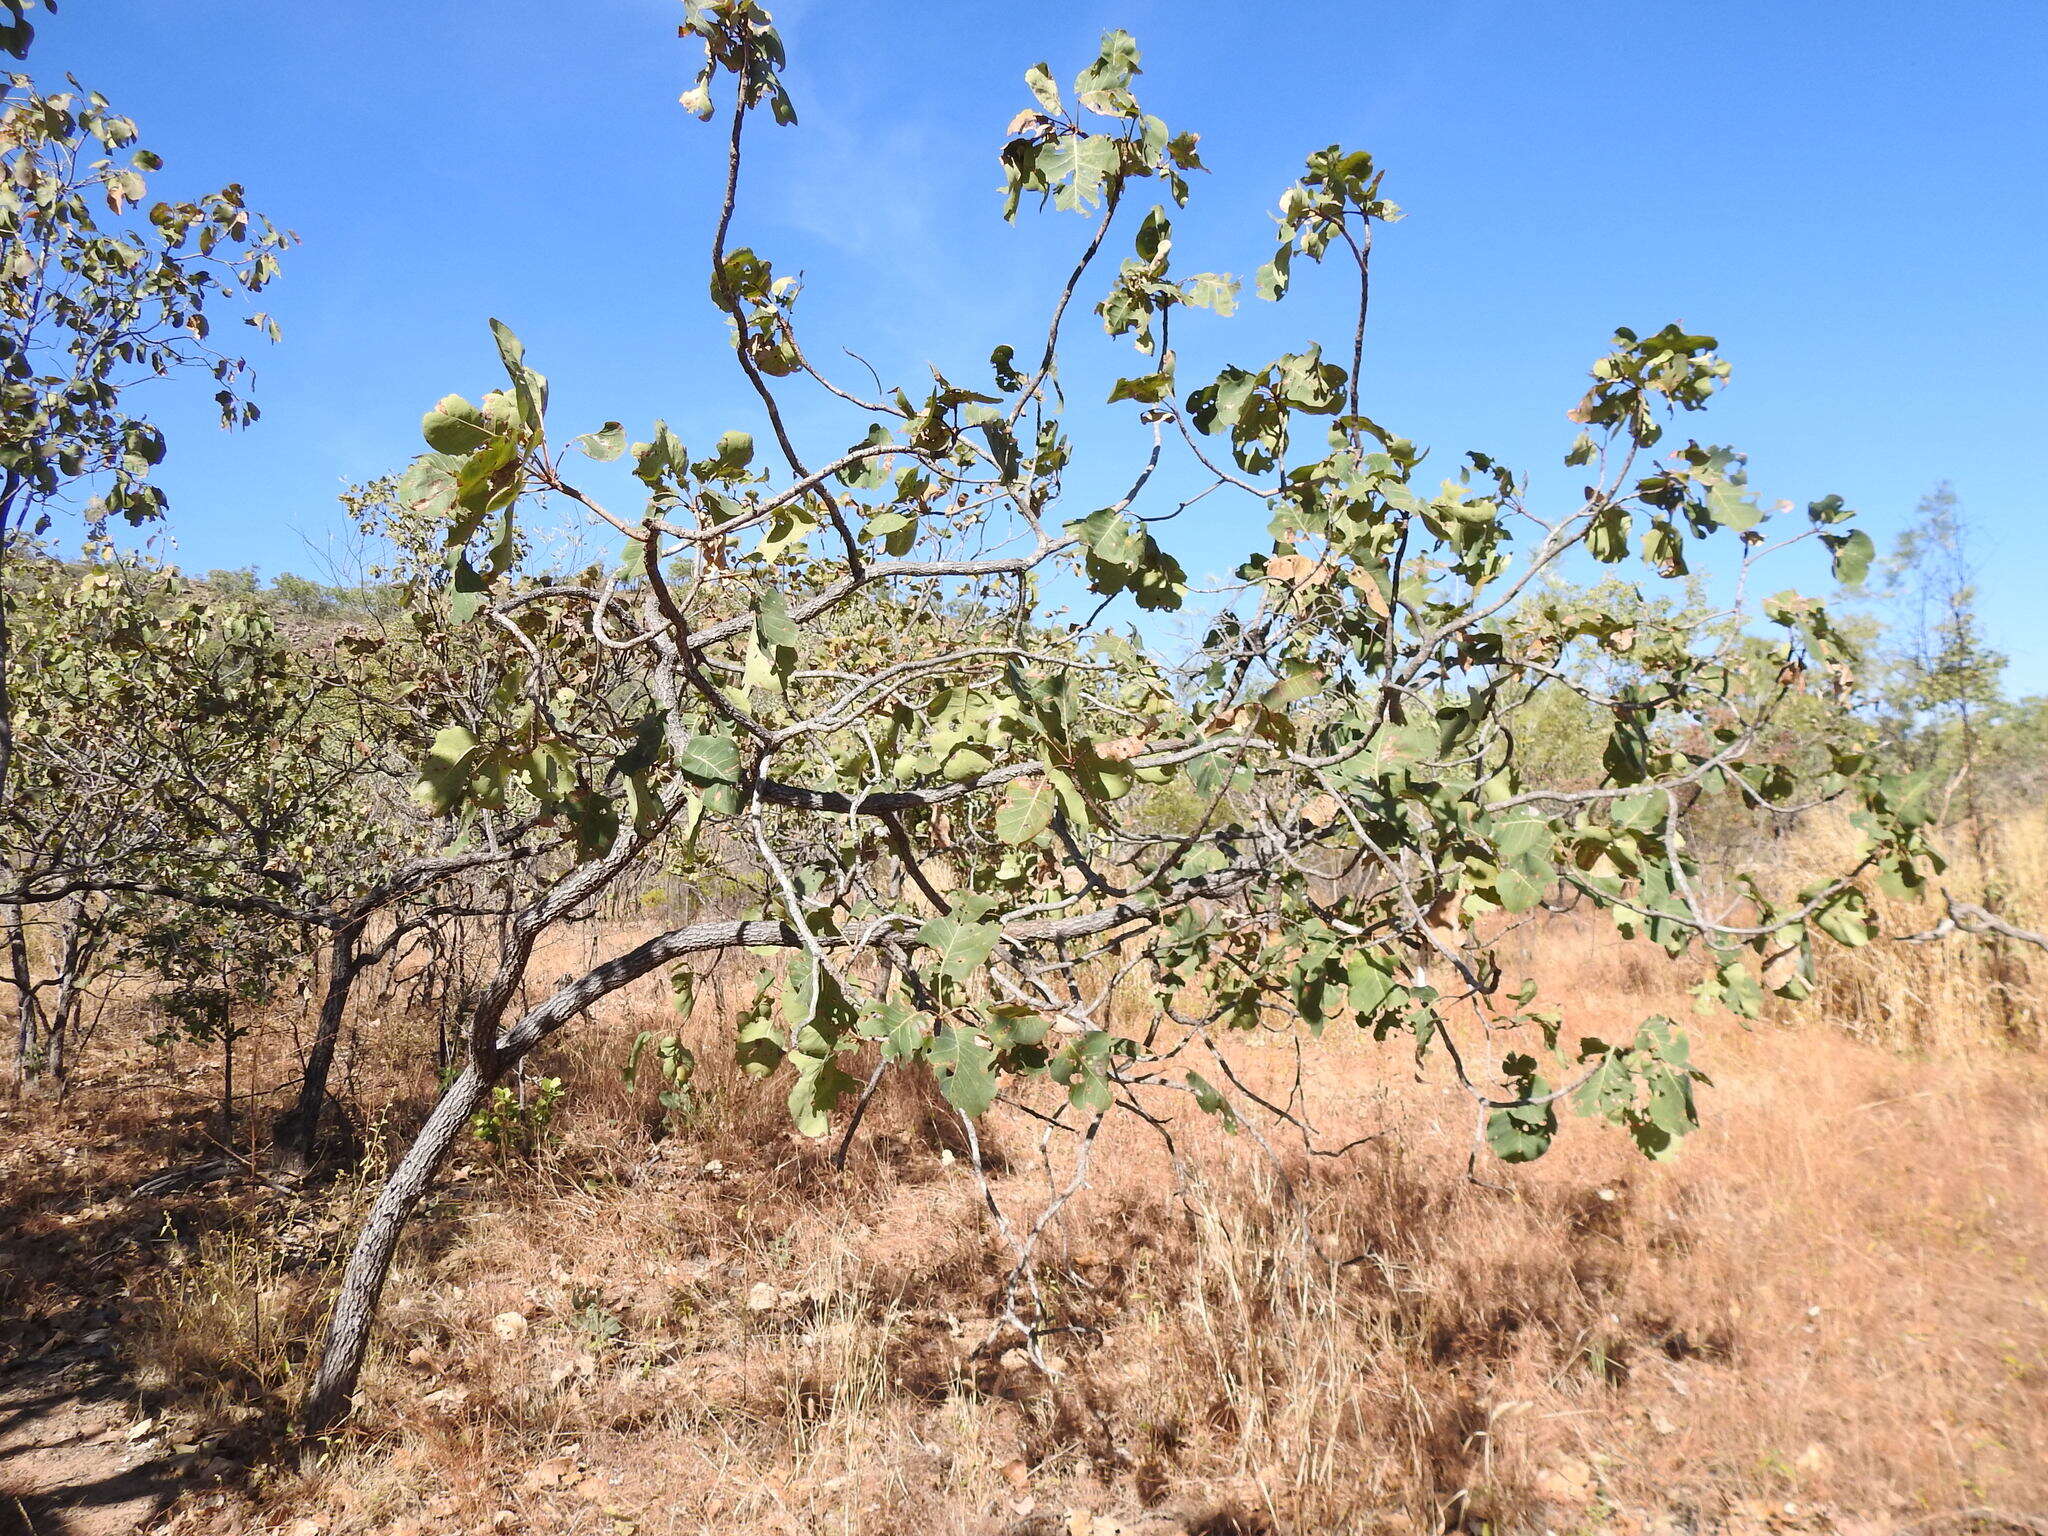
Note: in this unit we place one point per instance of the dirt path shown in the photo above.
(67, 1464)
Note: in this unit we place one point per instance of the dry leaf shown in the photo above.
(1369, 590)
(552, 1473)
(1299, 570)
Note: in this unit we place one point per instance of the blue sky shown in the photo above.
(1850, 197)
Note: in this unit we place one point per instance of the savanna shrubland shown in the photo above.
(1830, 1301)
(820, 995)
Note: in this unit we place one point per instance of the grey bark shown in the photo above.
(332, 1392)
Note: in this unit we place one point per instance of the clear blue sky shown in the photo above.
(1850, 197)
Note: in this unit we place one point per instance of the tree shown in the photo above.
(93, 303)
(1944, 678)
(1943, 695)
(972, 826)
(213, 966)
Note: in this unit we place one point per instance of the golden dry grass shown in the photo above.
(1829, 1312)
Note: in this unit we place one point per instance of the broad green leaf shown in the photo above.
(1043, 87)
(1729, 506)
(965, 1066)
(1026, 810)
(1522, 1134)
(710, 760)
(454, 426)
(1853, 553)
(1211, 1102)
(446, 769)
(959, 943)
(820, 1085)
(605, 444)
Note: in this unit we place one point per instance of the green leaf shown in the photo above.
(1844, 920)
(710, 760)
(965, 1067)
(960, 943)
(1729, 507)
(454, 426)
(896, 1025)
(1853, 553)
(605, 444)
(1521, 1133)
(1739, 990)
(446, 769)
(1103, 87)
(1517, 891)
(1148, 389)
(759, 1046)
(1607, 535)
(1211, 1102)
(775, 641)
(466, 591)
(1026, 811)
(1043, 87)
(510, 351)
(1271, 280)
(1090, 1091)
(820, 1085)
(1524, 1133)
(1216, 291)
(1372, 983)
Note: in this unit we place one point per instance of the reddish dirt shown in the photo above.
(68, 1466)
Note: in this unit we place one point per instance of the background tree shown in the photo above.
(1944, 678)
(260, 782)
(94, 301)
(1942, 698)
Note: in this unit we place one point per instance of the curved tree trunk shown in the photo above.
(333, 1387)
(330, 1396)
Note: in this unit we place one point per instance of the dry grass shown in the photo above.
(1948, 999)
(1828, 1311)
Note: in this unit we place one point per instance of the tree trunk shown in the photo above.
(72, 960)
(330, 1396)
(10, 493)
(298, 1130)
(227, 1077)
(331, 1393)
(28, 1031)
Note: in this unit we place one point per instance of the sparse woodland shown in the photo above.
(830, 994)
